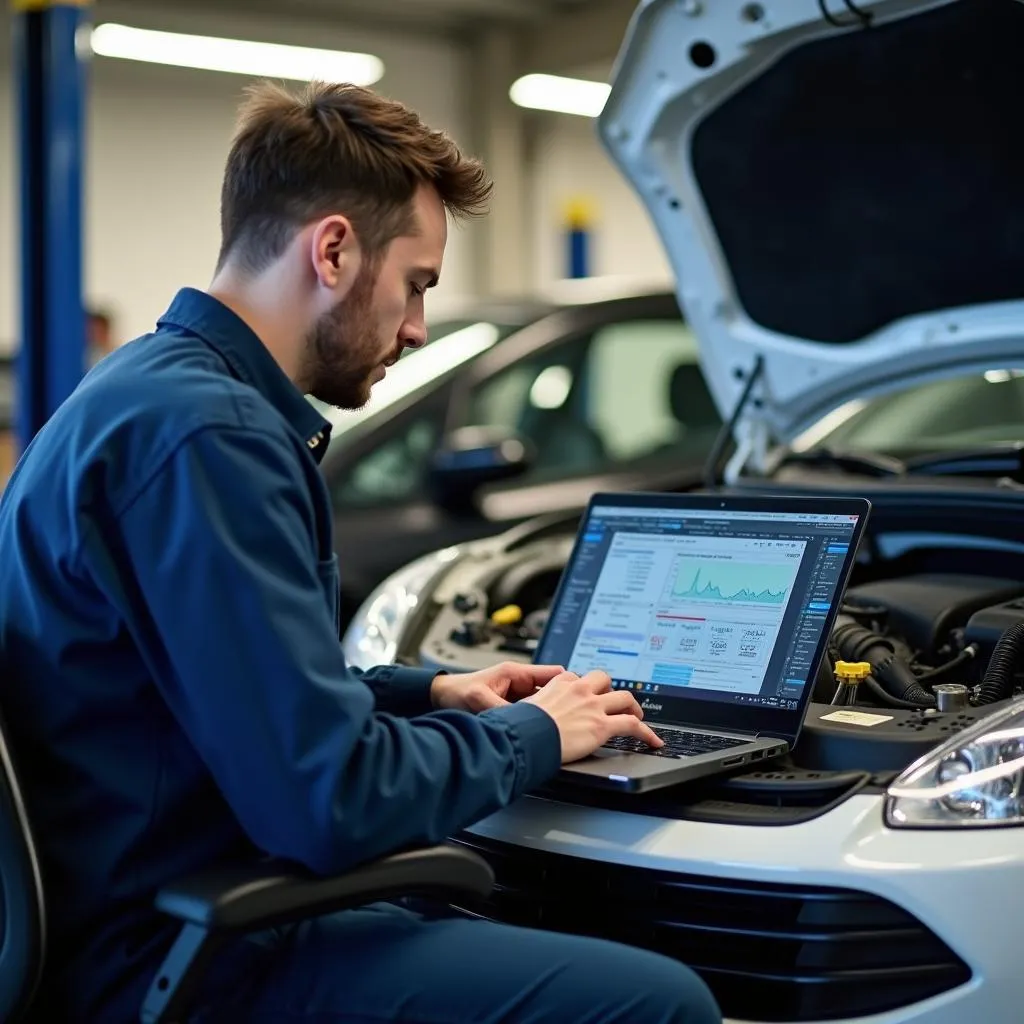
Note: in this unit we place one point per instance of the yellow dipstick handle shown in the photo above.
(852, 672)
(507, 616)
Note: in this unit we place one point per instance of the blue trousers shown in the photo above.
(388, 964)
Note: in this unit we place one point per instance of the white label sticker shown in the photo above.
(856, 718)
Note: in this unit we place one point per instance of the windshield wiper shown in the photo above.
(851, 462)
(994, 460)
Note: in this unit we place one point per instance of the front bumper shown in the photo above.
(838, 918)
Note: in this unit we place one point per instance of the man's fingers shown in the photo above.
(483, 697)
(562, 677)
(541, 675)
(630, 725)
(517, 681)
(599, 682)
(621, 702)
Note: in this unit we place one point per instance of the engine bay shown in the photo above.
(945, 648)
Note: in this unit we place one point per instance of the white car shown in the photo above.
(840, 188)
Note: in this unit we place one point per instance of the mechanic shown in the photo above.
(168, 596)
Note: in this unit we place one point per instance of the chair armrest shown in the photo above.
(262, 895)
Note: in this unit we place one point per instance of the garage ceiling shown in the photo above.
(445, 17)
(557, 36)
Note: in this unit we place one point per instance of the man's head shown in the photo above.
(334, 202)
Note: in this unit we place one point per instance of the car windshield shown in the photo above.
(959, 412)
(453, 342)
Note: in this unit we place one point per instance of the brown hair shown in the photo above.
(334, 149)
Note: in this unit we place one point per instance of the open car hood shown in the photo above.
(841, 197)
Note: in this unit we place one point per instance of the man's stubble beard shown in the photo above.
(343, 348)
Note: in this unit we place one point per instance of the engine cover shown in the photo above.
(877, 739)
(923, 609)
(985, 627)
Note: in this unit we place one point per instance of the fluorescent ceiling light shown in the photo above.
(561, 95)
(237, 56)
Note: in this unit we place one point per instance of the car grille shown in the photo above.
(769, 952)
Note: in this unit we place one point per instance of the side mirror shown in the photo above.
(473, 457)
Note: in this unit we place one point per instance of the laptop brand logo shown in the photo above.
(649, 705)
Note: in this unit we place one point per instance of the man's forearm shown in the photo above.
(417, 781)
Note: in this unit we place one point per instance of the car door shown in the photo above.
(616, 401)
(377, 463)
(383, 517)
(609, 395)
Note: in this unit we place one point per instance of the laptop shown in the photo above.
(715, 612)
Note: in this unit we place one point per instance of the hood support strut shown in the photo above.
(725, 435)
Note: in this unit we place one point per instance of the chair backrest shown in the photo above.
(22, 909)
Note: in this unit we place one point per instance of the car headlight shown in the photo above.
(375, 632)
(974, 780)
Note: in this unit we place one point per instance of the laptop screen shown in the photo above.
(704, 603)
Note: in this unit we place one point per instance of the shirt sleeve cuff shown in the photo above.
(401, 691)
(537, 744)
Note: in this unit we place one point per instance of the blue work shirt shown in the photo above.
(173, 676)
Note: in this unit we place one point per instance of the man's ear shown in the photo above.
(335, 253)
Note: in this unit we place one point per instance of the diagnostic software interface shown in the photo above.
(718, 605)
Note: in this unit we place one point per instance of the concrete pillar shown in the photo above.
(502, 243)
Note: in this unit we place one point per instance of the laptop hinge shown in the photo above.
(767, 734)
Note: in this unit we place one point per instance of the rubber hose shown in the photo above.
(855, 643)
(998, 681)
(964, 656)
(887, 698)
(897, 678)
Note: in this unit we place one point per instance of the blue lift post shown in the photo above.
(578, 224)
(50, 75)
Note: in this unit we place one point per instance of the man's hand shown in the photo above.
(491, 687)
(588, 713)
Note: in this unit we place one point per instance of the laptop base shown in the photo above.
(642, 773)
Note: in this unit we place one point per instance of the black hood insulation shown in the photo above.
(874, 174)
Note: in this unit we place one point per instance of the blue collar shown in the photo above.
(249, 360)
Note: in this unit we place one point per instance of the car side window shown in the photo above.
(646, 393)
(629, 391)
(393, 471)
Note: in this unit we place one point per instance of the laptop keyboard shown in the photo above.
(677, 744)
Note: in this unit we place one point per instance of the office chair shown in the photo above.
(213, 906)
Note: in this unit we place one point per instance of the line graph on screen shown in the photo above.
(732, 581)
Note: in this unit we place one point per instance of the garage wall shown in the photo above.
(569, 163)
(157, 138)
(157, 141)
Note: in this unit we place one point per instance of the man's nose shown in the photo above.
(413, 335)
